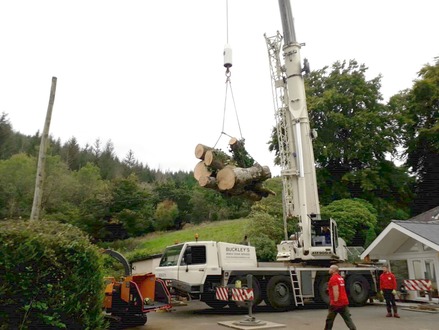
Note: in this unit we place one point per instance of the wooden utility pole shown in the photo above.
(39, 182)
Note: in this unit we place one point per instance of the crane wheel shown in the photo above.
(321, 290)
(357, 288)
(280, 293)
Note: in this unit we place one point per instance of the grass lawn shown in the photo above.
(232, 231)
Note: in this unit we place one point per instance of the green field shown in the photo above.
(232, 231)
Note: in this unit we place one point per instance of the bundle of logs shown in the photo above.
(238, 175)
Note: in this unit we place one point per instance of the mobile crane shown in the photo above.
(209, 271)
(300, 197)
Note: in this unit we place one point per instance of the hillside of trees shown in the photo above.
(359, 139)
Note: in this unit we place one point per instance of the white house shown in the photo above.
(415, 241)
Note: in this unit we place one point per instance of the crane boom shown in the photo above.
(300, 195)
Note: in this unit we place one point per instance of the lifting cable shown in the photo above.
(228, 64)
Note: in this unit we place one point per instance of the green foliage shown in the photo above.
(417, 110)
(264, 232)
(17, 182)
(177, 191)
(345, 108)
(165, 215)
(51, 277)
(271, 226)
(208, 205)
(272, 205)
(6, 136)
(354, 218)
(241, 156)
(356, 135)
(266, 249)
(126, 194)
(370, 237)
(387, 187)
(134, 223)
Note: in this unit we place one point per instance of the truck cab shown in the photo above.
(196, 268)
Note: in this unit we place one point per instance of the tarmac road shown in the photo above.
(196, 316)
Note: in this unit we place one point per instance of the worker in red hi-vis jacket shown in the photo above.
(338, 300)
(388, 289)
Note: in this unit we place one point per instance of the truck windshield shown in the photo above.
(170, 256)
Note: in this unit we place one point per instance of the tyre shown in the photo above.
(257, 293)
(321, 290)
(280, 293)
(357, 288)
(211, 301)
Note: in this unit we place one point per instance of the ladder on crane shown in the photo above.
(283, 120)
(297, 290)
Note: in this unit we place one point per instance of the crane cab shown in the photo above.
(325, 243)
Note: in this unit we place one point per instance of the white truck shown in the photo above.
(200, 269)
(197, 269)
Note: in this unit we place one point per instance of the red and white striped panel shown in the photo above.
(242, 294)
(417, 285)
(222, 293)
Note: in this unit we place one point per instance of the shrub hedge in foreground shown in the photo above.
(50, 277)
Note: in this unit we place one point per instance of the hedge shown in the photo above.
(50, 277)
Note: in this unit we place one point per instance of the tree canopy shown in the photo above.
(417, 113)
(356, 138)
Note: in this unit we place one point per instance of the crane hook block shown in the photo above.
(227, 56)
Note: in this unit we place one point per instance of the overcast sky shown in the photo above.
(149, 76)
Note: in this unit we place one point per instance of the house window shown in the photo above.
(417, 269)
(430, 273)
(425, 269)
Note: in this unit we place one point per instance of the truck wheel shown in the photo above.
(321, 290)
(257, 294)
(358, 290)
(212, 302)
(280, 293)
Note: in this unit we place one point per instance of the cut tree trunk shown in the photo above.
(261, 190)
(201, 170)
(237, 178)
(216, 159)
(240, 155)
(239, 175)
(208, 182)
(200, 150)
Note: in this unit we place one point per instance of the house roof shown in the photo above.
(427, 230)
(430, 215)
(423, 228)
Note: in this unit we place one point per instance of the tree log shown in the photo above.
(236, 177)
(200, 150)
(201, 170)
(216, 159)
(240, 155)
(208, 182)
(261, 190)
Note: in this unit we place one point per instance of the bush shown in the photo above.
(50, 277)
(266, 249)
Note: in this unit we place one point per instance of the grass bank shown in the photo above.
(232, 231)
